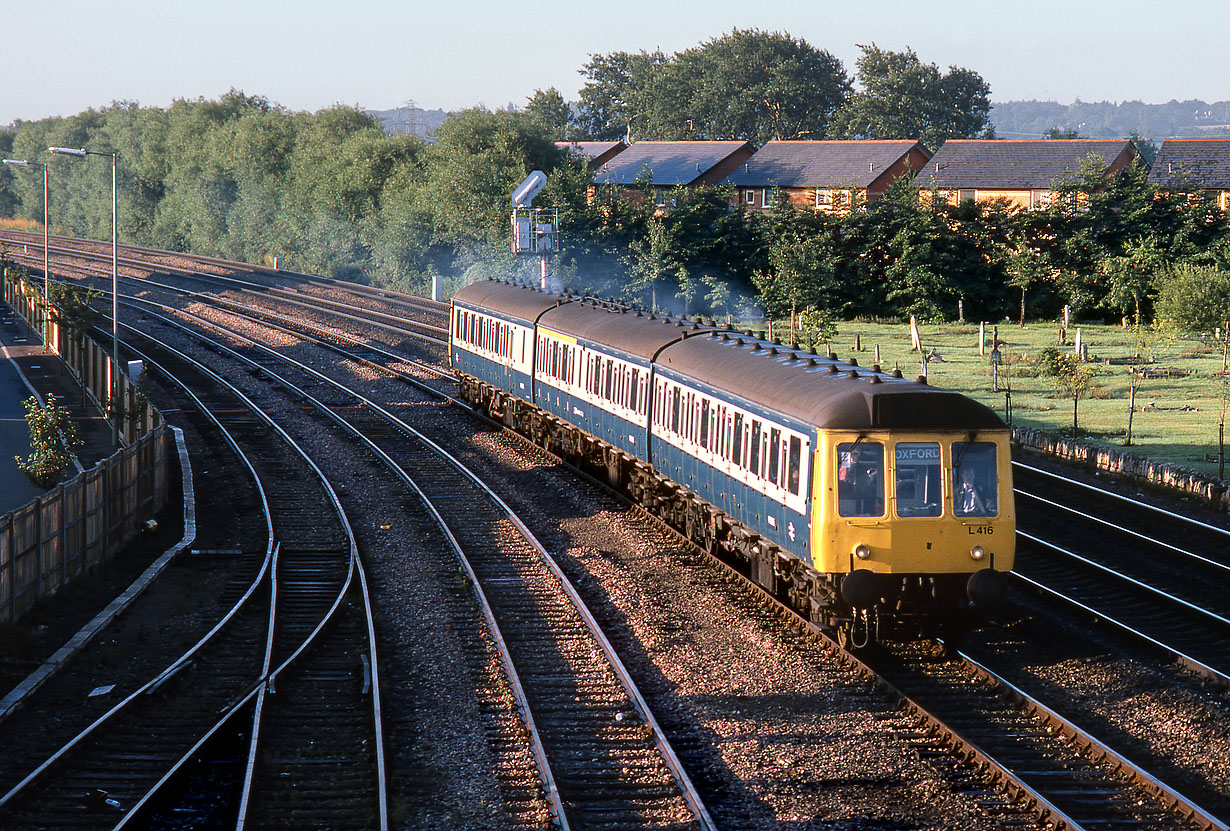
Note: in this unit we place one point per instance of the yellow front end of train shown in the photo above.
(914, 519)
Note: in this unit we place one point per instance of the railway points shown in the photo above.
(592, 566)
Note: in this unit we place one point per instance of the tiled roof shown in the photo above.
(1205, 162)
(589, 149)
(809, 164)
(962, 163)
(670, 162)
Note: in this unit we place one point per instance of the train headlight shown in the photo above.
(862, 551)
(978, 552)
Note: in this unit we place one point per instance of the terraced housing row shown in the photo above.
(836, 176)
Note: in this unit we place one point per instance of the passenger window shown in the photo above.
(755, 468)
(860, 479)
(918, 479)
(795, 462)
(736, 454)
(975, 482)
(774, 454)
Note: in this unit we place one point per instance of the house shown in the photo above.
(1194, 164)
(829, 176)
(596, 153)
(666, 165)
(1022, 173)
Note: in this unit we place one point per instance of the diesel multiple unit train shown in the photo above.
(866, 501)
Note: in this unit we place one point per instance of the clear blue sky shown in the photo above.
(64, 56)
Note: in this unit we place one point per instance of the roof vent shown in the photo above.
(854, 362)
(852, 373)
(896, 373)
(875, 379)
(812, 362)
(832, 356)
(724, 336)
(738, 341)
(876, 368)
(811, 350)
(922, 379)
(773, 351)
(833, 369)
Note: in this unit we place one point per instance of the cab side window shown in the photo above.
(975, 482)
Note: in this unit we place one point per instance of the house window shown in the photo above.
(824, 198)
(1039, 199)
(664, 198)
(749, 196)
(967, 194)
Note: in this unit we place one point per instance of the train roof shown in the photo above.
(817, 390)
(520, 302)
(821, 391)
(634, 333)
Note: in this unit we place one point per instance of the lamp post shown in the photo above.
(115, 304)
(46, 273)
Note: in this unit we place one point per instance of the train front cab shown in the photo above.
(921, 524)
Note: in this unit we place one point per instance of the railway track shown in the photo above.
(602, 756)
(1126, 570)
(338, 407)
(129, 760)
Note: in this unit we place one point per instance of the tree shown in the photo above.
(747, 84)
(756, 86)
(1194, 298)
(1130, 277)
(53, 440)
(549, 107)
(901, 97)
(621, 95)
(1073, 378)
(801, 275)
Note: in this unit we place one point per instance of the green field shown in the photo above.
(1176, 418)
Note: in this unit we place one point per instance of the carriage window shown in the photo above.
(795, 463)
(974, 479)
(860, 479)
(918, 479)
(736, 454)
(774, 454)
(755, 466)
(704, 423)
(675, 411)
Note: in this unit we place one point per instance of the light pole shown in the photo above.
(46, 273)
(115, 275)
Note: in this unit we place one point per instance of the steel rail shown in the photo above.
(1128, 531)
(354, 565)
(192, 651)
(1190, 809)
(1178, 601)
(686, 787)
(1135, 503)
(1195, 665)
(291, 296)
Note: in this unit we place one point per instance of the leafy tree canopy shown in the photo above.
(747, 84)
(901, 97)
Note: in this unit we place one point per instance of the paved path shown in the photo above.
(24, 365)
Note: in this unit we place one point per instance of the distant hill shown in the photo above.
(409, 120)
(1104, 119)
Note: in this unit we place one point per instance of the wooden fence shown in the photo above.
(88, 361)
(86, 520)
(80, 523)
